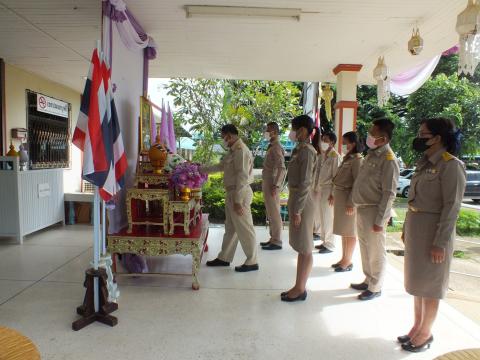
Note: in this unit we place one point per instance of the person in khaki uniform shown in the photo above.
(273, 175)
(434, 201)
(237, 166)
(373, 194)
(317, 228)
(345, 216)
(323, 188)
(300, 204)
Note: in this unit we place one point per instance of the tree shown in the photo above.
(252, 104)
(200, 103)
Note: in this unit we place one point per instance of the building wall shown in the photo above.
(17, 81)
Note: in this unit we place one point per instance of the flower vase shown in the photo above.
(185, 194)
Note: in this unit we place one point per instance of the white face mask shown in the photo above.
(267, 136)
(225, 144)
(371, 142)
(344, 149)
(292, 135)
(324, 146)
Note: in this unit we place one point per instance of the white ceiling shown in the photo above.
(54, 38)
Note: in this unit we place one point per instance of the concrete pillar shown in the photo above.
(346, 100)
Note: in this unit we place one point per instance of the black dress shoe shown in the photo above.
(318, 247)
(300, 297)
(272, 247)
(246, 268)
(403, 339)
(420, 348)
(265, 243)
(217, 262)
(360, 287)
(316, 237)
(324, 250)
(340, 269)
(336, 265)
(369, 295)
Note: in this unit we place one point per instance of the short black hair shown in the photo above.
(274, 125)
(445, 128)
(331, 136)
(353, 138)
(304, 121)
(229, 129)
(386, 126)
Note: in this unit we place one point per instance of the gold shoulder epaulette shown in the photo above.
(332, 154)
(447, 156)
(390, 155)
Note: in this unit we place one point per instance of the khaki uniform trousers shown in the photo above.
(326, 218)
(272, 207)
(372, 248)
(239, 228)
(317, 226)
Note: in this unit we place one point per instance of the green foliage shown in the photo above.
(258, 208)
(468, 223)
(206, 105)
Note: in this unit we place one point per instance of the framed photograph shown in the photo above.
(144, 131)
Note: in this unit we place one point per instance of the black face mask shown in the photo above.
(420, 144)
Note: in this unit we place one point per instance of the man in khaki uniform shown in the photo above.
(373, 194)
(323, 186)
(237, 166)
(273, 175)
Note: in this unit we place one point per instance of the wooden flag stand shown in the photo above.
(87, 310)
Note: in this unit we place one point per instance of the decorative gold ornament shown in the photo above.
(12, 151)
(197, 194)
(415, 44)
(158, 157)
(327, 96)
(468, 28)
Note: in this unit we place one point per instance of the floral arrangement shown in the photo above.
(187, 175)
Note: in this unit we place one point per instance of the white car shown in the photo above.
(404, 185)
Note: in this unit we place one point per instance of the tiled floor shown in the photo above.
(233, 316)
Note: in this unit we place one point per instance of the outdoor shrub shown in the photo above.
(258, 162)
(258, 208)
(468, 223)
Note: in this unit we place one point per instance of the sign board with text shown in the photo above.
(52, 106)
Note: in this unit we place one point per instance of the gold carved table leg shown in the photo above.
(195, 266)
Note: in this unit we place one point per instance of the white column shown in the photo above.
(346, 100)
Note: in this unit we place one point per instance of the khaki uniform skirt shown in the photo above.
(343, 224)
(301, 238)
(422, 277)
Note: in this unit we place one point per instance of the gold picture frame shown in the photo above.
(145, 139)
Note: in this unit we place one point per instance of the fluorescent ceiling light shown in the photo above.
(212, 10)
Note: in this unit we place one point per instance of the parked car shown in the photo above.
(472, 190)
(404, 184)
(406, 172)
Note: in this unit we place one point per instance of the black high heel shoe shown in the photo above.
(336, 265)
(300, 297)
(420, 348)
(340, 269)
(403, 339)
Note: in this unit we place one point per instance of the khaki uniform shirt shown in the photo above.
(437, 187)
(274, 169)
(347, 173)
(300, 175)
(237, 166)
(376, 183)
(327, 170)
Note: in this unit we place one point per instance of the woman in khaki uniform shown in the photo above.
(345, 217)
(434, 201)
(300, 204)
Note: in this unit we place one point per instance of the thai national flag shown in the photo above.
(98, 133)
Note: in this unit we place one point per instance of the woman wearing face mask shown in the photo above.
(434, 201)
(345, 219)
(300, 204)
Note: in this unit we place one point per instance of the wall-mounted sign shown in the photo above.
(52, 106)
(44, 190)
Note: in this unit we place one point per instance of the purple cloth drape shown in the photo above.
(172, 141)
(164, 137)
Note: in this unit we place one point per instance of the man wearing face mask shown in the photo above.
(323, 186)
(237, 166)
(273, 174)
(373, 194)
